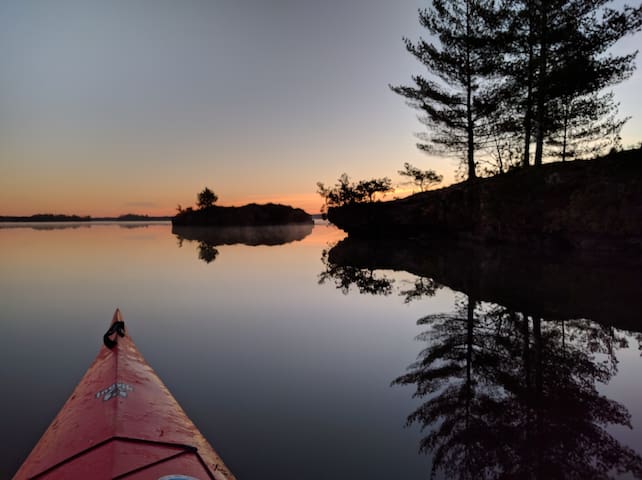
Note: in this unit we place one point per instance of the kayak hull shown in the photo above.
(121, 421)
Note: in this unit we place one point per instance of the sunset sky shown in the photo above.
(109, 107)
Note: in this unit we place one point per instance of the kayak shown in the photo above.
(121, 422)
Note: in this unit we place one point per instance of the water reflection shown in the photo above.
(45, 225)
(368, 281)
(48, 226)
(509, 389)
(508, 395)
(605, 289)
(208, 238)
(207, 252)
(365, 280)
(133, 226)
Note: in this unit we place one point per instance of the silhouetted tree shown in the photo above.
(458, 64)
(345, 192)
(369, 188)
(424, 179)
(554, 61)
(206, 198)
(580, 66)
(587, 126)
(507, 75)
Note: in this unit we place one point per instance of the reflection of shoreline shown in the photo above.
(44, 225)
(210, 237)
(608, 291)
(508, 384)
(253, 236)
(75, 225)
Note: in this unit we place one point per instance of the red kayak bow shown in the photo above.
(121, 422)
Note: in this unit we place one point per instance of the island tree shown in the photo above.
(206, 198)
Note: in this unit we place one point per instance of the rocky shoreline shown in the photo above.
(589, 204)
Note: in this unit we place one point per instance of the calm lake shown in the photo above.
(302, 359)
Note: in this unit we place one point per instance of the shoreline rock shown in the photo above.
(585, 204)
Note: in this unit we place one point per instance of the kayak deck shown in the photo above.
(122, 422)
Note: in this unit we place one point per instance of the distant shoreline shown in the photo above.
(46, 217)
(87, 219)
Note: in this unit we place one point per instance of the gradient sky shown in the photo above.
(108, 107)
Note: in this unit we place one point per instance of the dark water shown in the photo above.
(297, 360)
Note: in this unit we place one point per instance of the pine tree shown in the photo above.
(587, 126)
(457, 64)
(505, 76)
(557, 64)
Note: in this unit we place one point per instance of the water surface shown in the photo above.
(283, 354)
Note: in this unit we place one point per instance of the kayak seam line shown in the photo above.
(206, 467)
(150, 465)
(185, 447)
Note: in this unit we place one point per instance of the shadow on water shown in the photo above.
(509, 389)
(208, 238)
(604, 289)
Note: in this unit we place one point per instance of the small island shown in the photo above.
(210, 215)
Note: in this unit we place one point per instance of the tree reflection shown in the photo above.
(509, 388)
(367, 281)
(605, 289)
(208, 238)
(508, 395)
(207, 252)
(345, 277)
(422, 287)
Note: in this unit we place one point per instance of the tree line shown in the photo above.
(346, 192)
(512, 82)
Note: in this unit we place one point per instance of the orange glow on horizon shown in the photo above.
(311, 203)
(157, 199)
(162, 206)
